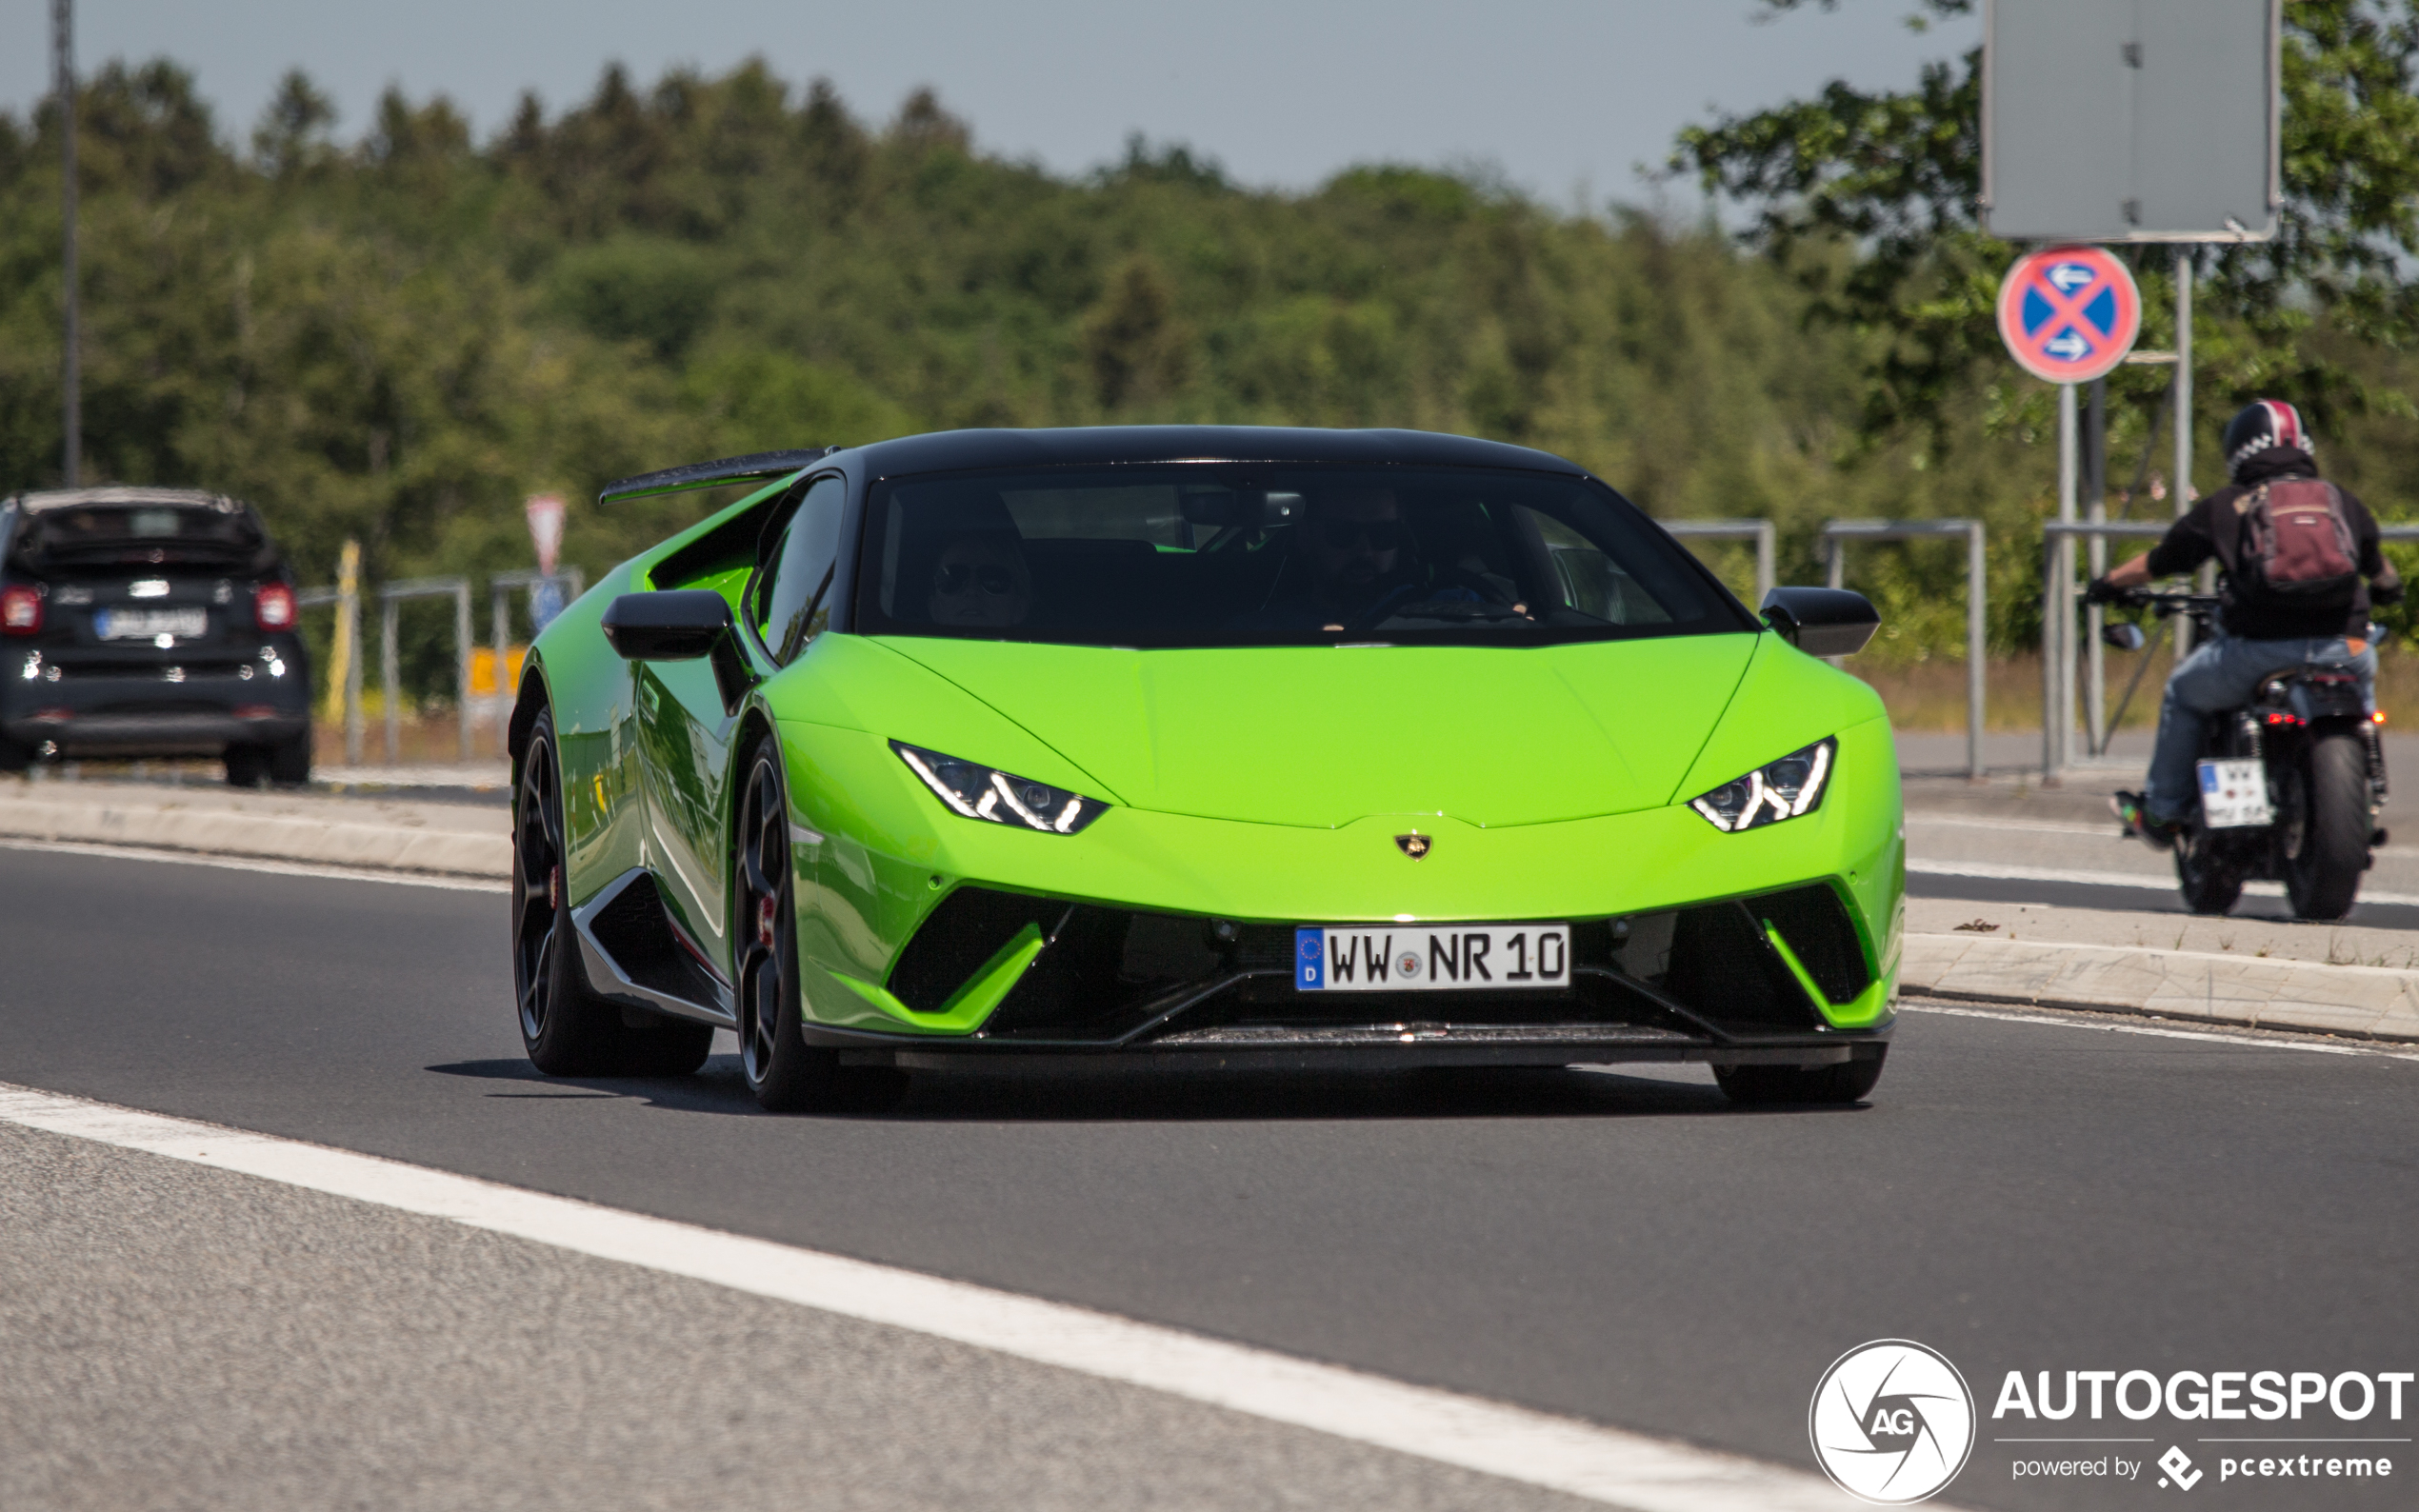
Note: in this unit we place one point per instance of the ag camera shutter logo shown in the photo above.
(1891, 1422)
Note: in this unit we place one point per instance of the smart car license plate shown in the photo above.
(144, 625)
(2235, 794)
(1443, 958)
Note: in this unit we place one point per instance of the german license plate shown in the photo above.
(144, 625)
(1440, 958)
(2235, 794)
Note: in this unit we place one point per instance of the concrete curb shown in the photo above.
(2260, 992)
(217, 829)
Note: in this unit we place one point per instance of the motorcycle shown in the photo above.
(2291, 783)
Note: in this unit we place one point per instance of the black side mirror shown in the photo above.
(1822, 621)
(2123, 635)
(679, 624)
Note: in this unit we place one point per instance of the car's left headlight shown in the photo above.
(975, 791)
(1776, 790)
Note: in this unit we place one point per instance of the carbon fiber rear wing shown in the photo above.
(754, 467)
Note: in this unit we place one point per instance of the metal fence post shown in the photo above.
(2050, 749)
(1977, 627)
(1760, 532)
(389, 673)
(390, 597)
(1835, 536)
(349, 604)
(500, 634)
(462, 644)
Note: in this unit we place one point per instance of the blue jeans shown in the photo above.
(2221, 674)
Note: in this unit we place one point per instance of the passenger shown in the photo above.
(981, 580)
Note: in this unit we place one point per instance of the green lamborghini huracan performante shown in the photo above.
(1215, 747)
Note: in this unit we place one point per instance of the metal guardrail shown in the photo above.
(1759, 531)
(2059, 643)
(390, 597)
(500, 589)
(1835, 536)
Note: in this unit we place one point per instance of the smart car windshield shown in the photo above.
(1203, 554)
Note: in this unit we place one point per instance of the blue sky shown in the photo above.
(1566, 98)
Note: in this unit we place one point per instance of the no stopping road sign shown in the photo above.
(2068, 313)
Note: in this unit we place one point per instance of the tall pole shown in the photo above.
(70, 377)
(2096, 506)
(2064, 598)
(2182, 489)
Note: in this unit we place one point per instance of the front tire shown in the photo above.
(567, 1027)
(1771, 1085)
(786, 1073)
(2325, 858)
(2210, 880)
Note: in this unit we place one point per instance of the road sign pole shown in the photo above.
(2069, 459)
(2180, 489)
(71, 335)
(2095, 507)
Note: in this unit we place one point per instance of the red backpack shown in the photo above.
(2296, 549)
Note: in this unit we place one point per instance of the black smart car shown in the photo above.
(149, 622)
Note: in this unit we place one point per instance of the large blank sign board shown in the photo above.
(2130, 120)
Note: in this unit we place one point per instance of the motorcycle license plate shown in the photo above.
(2234, 795)
(1443, 958)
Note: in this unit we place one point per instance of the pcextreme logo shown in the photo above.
(1892, 1422)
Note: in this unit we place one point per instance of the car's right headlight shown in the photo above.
(1780, 790)
(973, 790)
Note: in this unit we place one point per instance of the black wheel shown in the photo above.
(2209, 877)
(2324, 830)
(290, 762)
(15, 755)
(566, 1026)
(246, 766)
(783, 1071)
(1847, 1081)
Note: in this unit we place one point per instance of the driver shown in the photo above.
(981, 580)
(1362, 564)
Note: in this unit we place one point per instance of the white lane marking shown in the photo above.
(1559, 1454)
(2038, 826)
(281, 868)
(1929, 866)
(2253, 1041)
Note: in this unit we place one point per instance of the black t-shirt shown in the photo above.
(2211, 528)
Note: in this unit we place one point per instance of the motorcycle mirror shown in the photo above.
(2124, 637)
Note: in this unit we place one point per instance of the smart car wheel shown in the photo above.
(565, 1027)
(246, 766)
(1847, 1081)
(783, 1071)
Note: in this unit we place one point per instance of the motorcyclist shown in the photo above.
(2258, 634)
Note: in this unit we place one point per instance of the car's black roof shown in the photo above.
(956, 450)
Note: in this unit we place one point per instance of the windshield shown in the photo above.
(99, 535)
(1205, 554)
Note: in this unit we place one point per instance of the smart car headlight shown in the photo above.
(975, 791)
(1776, 790)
